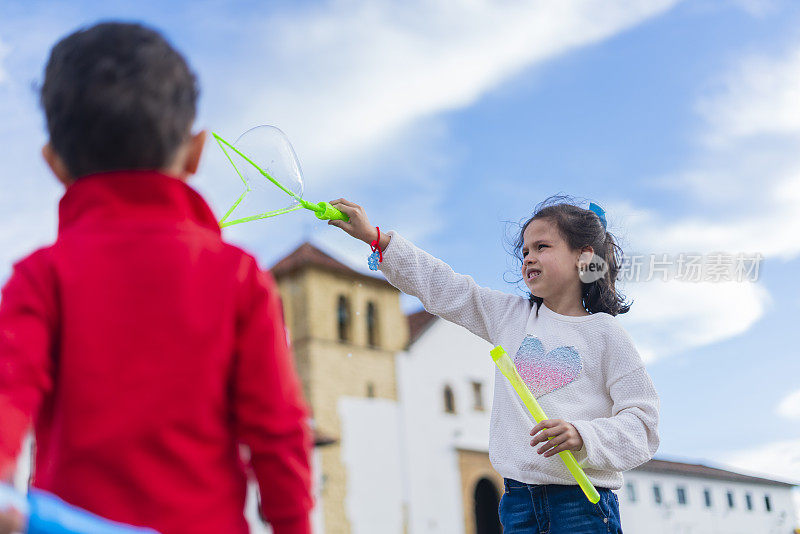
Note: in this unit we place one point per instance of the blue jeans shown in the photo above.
(555, 509)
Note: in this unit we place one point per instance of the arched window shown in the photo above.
(343, 318)
(449, 400)
(372, 324)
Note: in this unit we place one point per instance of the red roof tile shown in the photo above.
(418, 323)
(308, 254)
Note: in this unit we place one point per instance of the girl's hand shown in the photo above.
(358, 226)
(11, 521)
(565, 437)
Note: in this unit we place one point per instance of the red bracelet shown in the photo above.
(375, 245)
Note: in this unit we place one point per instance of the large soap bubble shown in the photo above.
(265, 161)
(268, 166)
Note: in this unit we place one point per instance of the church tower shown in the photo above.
(346, 328)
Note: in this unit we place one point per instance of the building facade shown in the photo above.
(446, 380)
(681, 498)
(401, 408)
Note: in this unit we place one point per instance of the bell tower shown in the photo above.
(346, 328)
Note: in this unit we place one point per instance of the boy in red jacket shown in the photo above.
(143, 348)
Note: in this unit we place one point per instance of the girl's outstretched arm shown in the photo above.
(452, 296)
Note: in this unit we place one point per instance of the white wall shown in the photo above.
(644, 516)
(445, 354)
(371, 442)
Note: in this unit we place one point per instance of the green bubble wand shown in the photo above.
(509, 370)
(323, 210)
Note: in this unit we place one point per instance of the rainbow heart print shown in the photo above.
(545, 372)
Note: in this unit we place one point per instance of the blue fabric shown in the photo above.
(600, 213)
(11, 498)
(51, 515)
(556, 509)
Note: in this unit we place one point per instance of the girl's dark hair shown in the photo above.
(580, 228)
(117, 96)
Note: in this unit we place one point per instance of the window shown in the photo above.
(767, 503)
(449, 401)
(478, 395)
(657, 493)
(372, 324)
(343, 317)
(631, 491)
(707, 496)
(748, 501)
(370, 390)
(682, 496)
(730, 499)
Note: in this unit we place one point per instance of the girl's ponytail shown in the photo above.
(602, 295)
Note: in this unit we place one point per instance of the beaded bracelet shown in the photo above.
(377, 254)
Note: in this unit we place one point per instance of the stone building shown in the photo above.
(346, 329)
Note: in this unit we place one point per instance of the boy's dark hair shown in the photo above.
(581, 227)
(117, 96)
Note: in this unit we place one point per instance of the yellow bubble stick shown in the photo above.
(506, 366)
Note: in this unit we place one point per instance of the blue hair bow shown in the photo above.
(600, 212)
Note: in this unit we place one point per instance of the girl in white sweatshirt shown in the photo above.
(576, 358)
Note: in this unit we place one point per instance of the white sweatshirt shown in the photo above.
(585, 370)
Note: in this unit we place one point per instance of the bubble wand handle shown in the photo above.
(506, 366)
(324, 211)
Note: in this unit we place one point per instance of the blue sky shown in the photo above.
(681, 119)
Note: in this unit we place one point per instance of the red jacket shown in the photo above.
(145, 350)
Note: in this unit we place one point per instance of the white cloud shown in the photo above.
(354, 84)
(674, 316)
(764, 220)
(752, 164)
(789, 407)
(361, 85)
(779, 460)
(758, 97)
(744, 186)
(345, 77)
